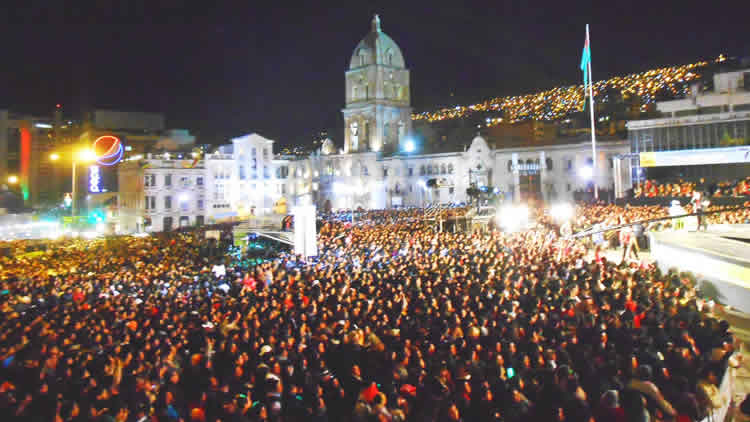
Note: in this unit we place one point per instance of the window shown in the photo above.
(411, 171)
(569, 164)
(201, 204)
(242, 172)
(167, 180)
(265, 153)
(219, 193)
(385, 171)
(147, 201)
(568, 187)
(443, 170)
(150, 180)
(168, 202)
(548, 163)
(199, 220)
(450, 168)
(266, 175)
(450, 191)
(510, 166)
(185, 181)
(199, 180)
(184, 206)
(365, 172)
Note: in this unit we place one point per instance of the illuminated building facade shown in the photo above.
(377, 116)
(704, 120)
(25, 143)
(380, 165)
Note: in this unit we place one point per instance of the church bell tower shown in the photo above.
(377, 115)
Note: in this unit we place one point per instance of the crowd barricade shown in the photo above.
(684, 200)
(726, 392)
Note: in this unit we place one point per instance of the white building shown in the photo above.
(713, 123)
(367, 174)
(245, 178)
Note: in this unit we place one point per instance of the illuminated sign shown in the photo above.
(95, 180)
(108, 150)
(695, 157)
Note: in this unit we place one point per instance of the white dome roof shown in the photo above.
(377, 48)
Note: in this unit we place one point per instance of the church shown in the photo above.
(378, 167)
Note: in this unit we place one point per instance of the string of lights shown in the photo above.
(560, 102)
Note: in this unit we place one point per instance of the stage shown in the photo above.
(718, 257)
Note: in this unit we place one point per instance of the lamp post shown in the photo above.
(83, 156)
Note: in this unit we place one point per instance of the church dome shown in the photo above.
(377, 48)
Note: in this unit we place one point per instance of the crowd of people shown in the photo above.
(393, 321)
(685, 189)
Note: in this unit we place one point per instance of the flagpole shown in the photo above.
(593, 126)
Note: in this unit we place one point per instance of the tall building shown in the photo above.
(25, 144)
(379, 167)
(704, 135)
(377, 114)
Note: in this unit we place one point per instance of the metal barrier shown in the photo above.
(644, 223)
(726, 392)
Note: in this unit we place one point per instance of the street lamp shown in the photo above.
(54, 156)
(409, 146)
(83, 156)
(12, 179)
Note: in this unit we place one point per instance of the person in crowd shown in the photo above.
(394, 320)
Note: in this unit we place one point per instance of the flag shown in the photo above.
(586, 59)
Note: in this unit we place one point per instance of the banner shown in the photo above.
(695, 157)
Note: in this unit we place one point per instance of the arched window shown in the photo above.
(389, 57)
(549, 164)
(362, 57)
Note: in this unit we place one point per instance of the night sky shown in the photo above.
(256, 66)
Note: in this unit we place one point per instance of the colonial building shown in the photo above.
(375, 169)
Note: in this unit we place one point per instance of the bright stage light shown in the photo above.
(586, 172)
(562, 212)
(514, 217)
(409, 146)
(340, 189)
